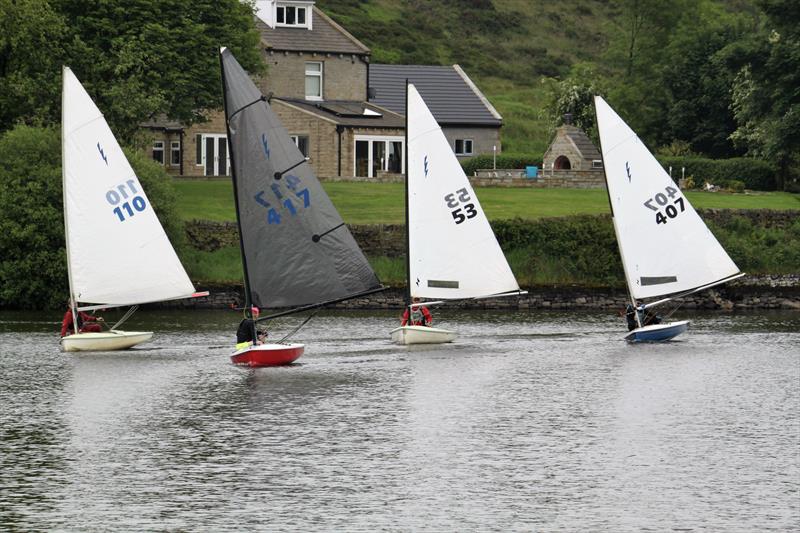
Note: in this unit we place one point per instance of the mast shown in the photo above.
(408, 226)
(614, 221)
(248, 302)
(72, 303)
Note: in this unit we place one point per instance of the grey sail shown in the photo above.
(296, 249)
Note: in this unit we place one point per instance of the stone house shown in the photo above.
(319, 78)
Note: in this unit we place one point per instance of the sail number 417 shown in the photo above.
(668, 203)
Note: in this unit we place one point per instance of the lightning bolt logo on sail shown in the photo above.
(628, 170)
(426, 166)
(102, 154)
(265, 143)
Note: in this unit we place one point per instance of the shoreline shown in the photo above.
(748, 292)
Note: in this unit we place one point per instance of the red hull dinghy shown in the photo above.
(297, 252)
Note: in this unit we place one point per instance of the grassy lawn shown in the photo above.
(374, 203)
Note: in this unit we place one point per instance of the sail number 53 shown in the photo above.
(132, 204)
(457, 202)
(669, 202)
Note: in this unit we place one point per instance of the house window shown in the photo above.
(174, 153)
(301, 141)
(463, 147)
(597, 163)
(314, 80)
(291, 16)
(158, 151)
(376, 154)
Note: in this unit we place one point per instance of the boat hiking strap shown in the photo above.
(295, 330)
(125, 317)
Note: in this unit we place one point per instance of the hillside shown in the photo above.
(510, 47)
(506, 46)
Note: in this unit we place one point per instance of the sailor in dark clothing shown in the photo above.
(630, 317)
(645, 318)
(247, 334)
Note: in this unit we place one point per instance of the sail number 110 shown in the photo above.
(133, 203)
(668, 203)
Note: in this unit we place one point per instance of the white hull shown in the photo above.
(422, 335)
(104, 341)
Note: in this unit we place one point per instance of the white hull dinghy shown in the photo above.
(104, 341)
(296, 251)
(667, 251)
(422, 335)
(452, 252)
(117, 252)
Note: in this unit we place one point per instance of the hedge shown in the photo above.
(482, 162)
(754, 173)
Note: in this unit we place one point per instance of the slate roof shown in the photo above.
(326, 36)
(582, 142)
(447, 90)
(349, 113)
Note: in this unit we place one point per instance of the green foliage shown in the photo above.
(32, 259)
(504, 160)
(753, 173)
(220, 266)
(567, 249)
(766, 101)
(135, 59)
(757, 249)
(33, 270)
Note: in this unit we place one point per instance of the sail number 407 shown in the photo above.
(132, 204)
(669, 202)
(457, 201)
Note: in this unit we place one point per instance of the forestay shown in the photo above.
(117, 251)
(665, 246)
(297, 250)
(453, 252)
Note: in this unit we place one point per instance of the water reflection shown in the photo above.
(541, 421)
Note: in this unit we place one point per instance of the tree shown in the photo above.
(33, 272)
(766, 100)
(575, 96)
(137, 58)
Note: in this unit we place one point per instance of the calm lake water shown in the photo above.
(530, 422)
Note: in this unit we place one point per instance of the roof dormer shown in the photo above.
(286, 13)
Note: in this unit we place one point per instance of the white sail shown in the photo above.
(117, 251)
(665, 246)
(453, 252)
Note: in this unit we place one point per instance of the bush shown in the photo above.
(755, 174)
(33, 266)
(482, 162)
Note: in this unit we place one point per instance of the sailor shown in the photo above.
(247, 333)
(419, 315)
(86, 323)
(630, 317)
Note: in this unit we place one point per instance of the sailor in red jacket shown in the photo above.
(86, 323)
(420, 316)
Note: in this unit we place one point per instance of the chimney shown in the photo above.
(567, 119)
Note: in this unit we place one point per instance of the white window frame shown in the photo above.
(216, 137)
(597, 163)
(379, 138)
(464, 146)
(285, 6)
(174, 148)
(296, 141)
(158, 146)
(317, 74)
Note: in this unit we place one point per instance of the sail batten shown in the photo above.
(453, 253)
(665, 246)
(117, 251)
(292, 255)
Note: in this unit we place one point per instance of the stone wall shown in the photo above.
(563, 179)
(750, 292)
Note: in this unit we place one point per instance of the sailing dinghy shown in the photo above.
(117, 252)
(296, 250)
(667, 250)
(452, 252)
